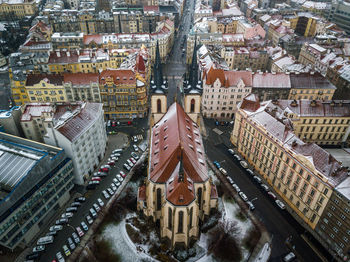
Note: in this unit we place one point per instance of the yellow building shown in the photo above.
(18, 90)
(312, 86)
(19, 9)
(320, 122)
(45, 88)
(303, 174)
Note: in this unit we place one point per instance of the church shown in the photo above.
(178, 192)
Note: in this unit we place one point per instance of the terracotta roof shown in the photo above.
(140, 64)
(141, 194)
(33, 79)
(179, 190)
(310, 81)
(149, 8)
(250, 103)
(214, 74)
(175, 135)
(78, 124)
(88, 39)
(62, 57)
(81, 78)
(269, 80)
(119, 76)
(233, 78)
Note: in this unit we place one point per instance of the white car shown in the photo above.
(230, 180)
(243, 196)
(289, 257)
(236, 188)
(99, 200)
(97, 208)
(280, 204)
(59, 257)
(114, 188)
(119, 177)
(105, 194)
(231, 151)
(244, 164)
(136, 149)
(135, 139)
(223, 171)
(38, 248)
(250, 171)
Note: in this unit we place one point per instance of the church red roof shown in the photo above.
(177, 138)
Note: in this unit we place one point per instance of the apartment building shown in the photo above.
(303, 174)
(339, 14)
(45, 88)
(82, 87)
(310, 54)
(16, 8)
(317, 121)
(312, 86)
(339, 74)
(223, 90)
(35, 182)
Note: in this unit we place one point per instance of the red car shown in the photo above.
(113, 123)
(104, 169)
(96, 178)
(111, 163)
(122, 174)
(79, 231)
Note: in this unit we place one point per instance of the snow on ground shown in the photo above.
(231, 210)
(121, 243)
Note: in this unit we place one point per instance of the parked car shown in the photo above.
(79, 231)
(132, 160)
(237, 157)
(231, 151)
(96, 178)
(265, 187)
(33, 256)
(61, 221)
(280, 204)
(71, 243)
(134, 155)
(119, 178)
(230, 180)
(93, 213)
(89, 220)
(243, 196)
(236, 188)
(257, 179)
(115, 181)
(100, 174)
(217, 164)
(289, 257)
(131, 164)
(104, 169)
(114, 187)
(243, 164)
(71, 209)
(127, 167)
(59, 257)
(122, 174)
(116, 155)
(111, 163)
(110, 191)
(51, 233)
(250, 172)
(76, 238)
(223, 171)
(66, 250)
(97, 208)
(250, 205)
(272, 195)
(75, 204)
(39, 248)
(67, 215)
(56, 228)
(84, 226)
(80, 199)
(136, 148)
(118, 150)
(134, 139)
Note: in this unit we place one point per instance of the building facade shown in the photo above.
(35, 182)
(82, 87)
(303, 174)
(18, 9)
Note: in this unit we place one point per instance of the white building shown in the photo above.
(78, 128)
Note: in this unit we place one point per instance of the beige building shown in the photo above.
(19, 8)
(311, 54)
(317, 121)
(178, 191)
(303, 174)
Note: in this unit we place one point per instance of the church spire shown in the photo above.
(157, 83)
(192, 85)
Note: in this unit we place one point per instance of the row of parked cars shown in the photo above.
(257, 179)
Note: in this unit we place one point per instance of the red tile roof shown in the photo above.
(81, 78)
(62, 57)
(233, 78)
(33, 79)
(119, 76)
(149, 8)
(78, 124)
(250, 103)
(310, 81)
(214, 74)
(141, 194)
(89, 39)
(140, 64)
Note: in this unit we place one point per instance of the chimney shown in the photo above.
(58, 54)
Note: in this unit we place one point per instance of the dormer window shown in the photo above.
(197, 141)
(201, 161)
(189, 136)
(156, 142)
(165, 120)
(187, 120)
(156, 133)
(165, 147)
(191, 146)
(156, 152)
(196, 132)
(165, 128)
(165, 137)
(188, 127)
(199, 151)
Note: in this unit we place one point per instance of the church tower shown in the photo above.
(159, 89)
(193, 89)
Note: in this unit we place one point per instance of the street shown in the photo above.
(278, 222)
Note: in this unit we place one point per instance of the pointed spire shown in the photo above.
(158, 81)
(192, 81)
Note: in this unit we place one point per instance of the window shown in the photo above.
(192, 105)
(159, 106)
(181, 221)
(170, 218)
(325, 191)
(199, 194)
(159, 200)
(191, 216)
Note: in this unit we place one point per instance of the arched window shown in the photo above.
(191, 216)
(170, 218)
(181, 222)
(159, 200)
(159, 106)
(192, 105)
(199, 195)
